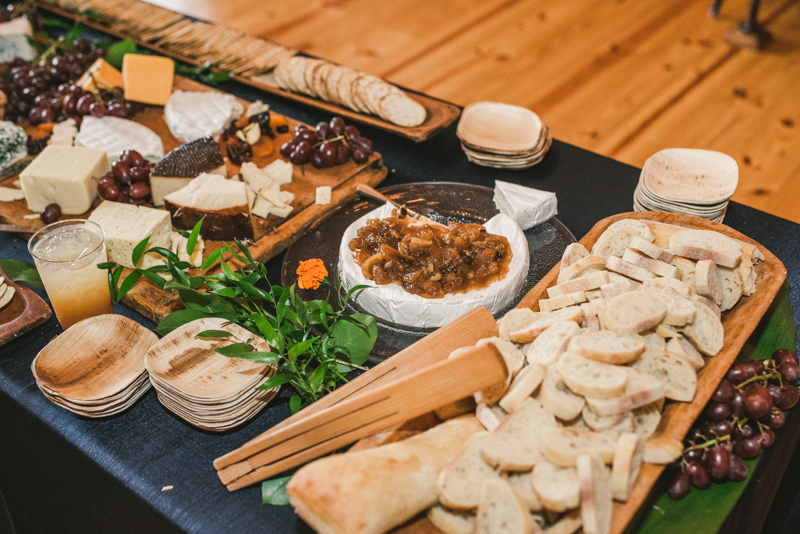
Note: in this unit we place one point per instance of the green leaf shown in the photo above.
(301, 348)
(54, 23)
(229, 274)
(205, 302)
(191, 242)
(75, 31)
(177, 319)
(251, 290)
(178, 275)
(275, 381)
(107, 265)
(268, 332)
(212, 334)
(128, 284)
(315, 381)
(357, 333)
(21, 271)
(118, 50)
(274, 491)
(295, 404)
(138, 250)
(235, 349)
(158, 280)
(166, 253)
(268, 358)
(214, 78)
(212, 258)
(245, 251)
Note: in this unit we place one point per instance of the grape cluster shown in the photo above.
(331, 143)
(741, 418)
(128, 181)
(44, 92)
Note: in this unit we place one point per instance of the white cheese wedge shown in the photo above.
(65, 175)
(393, 303)
(323, 195)
(254, 177)
(8, 194)
(191, 115)
(64, 133)
(280, 171)
(161, 186)
(14, 40)
(115, 135)
(261, 207)
(525, 205)
(257, 107)
(125, 225)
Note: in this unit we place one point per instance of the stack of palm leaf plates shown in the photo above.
(203, 387)
(503, 136)
(687, 180)
(96, 368)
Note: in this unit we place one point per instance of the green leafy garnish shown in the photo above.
(274, 491)
(21, 271)
(117, 51)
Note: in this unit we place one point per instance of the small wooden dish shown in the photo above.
(25, 311)
(500, 128)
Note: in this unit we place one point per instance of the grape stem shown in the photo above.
(707, 444)
(763, 378)
(331, 140)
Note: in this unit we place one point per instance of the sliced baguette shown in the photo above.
(562, 446)
(707, 282)
(583, 265)
(671, 283)
(666, 331)
(529, 332)
(573, 253)
(596, 494)
(514, 445)
(662, 450)
(628, 458)
(653, 341)
(622, 422)
(593, 294)
(683, 347)
(616, 238)
(649, 249)
(451, 521)
(646, 420)
(501, 511)
(697, 299)
(557, 303)
(558, 399)
(567, 524)
(516, 319)
(523, 386)
(634, 312)
(522, 484)
(680, 310)
(460, 481)
(732, 287)
(590, 317)
(706, 245)
(591, 378)
(628, 269)
(656, 267)
(547, 348)
(556, 487)
(641, 390)
(677, 377)
(584, 283)
(706, 331)
(610, 291)
(513, 357)
(490, 416)
(605, 346)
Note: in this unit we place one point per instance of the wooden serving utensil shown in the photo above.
(371, 192)
(364, 414)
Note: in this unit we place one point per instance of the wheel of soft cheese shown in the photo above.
(392, 303)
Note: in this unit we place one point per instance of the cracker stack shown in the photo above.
(687, 180)
(503, 136)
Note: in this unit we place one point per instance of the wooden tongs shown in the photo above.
(373, 402)
(371, 192)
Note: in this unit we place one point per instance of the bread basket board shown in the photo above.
(677, 417)
(272, 235)
(440, 114)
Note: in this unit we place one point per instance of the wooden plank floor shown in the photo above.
(623, 78)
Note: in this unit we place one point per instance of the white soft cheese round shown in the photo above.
(393, 303)
(114, 136)
(191, 115)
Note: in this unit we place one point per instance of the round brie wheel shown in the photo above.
(394, 304)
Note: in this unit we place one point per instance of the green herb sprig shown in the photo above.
(312, 345)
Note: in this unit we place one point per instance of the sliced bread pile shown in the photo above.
(625, 328)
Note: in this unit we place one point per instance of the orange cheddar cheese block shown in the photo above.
(101, 74)
(148, 79)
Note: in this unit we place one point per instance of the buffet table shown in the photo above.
(148, 471)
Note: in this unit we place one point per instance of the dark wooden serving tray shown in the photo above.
(25, 311)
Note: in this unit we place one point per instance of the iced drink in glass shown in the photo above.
(66, 254)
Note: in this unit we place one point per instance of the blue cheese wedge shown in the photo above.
(64, 175)
(13, 144)
(114, 135)
(125, 225)
(525, 205)
(14, 40)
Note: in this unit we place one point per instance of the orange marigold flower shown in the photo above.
(311, 273)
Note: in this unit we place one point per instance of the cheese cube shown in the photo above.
(125, 225)
(102, 74)
(323, 195)
(147, 79)
(65, 175)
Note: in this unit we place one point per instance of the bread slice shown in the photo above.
(547, 348)
(516, 319)
(562, 446)
(628, 458)
(653, 341)
(584, 283)
(732, 287)
(522, 484)
(662, 450)
(590, 317)
(576, 423)
(605, 346)
(685, 265)
(596, 494)
(566, 524)
(677, 377)
(750, 256)
(641, 389)
(513, 357)
(460, 481)
(707, 282)
(573, 253)
(593, 294)
(706, 331)
(671, 283)
(591, 378)
(558, 399)
(490, 416)
(657, 267)
(706, 245)
(456, 408)
(530, 331)
(601, 309)
(666, 331)
(501, 511)
(634, 312)
(523, 386)
(705, 301)
(451, 521)
(581, 266)
(514, 445)
(628, 269)
(622, 422)
(610, 291)
(557, 303)
(556, 487)
(646, 420)
(649, 249)
(616, 238)
(680, 310)
(682, 347)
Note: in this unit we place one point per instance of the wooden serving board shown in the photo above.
(272, 235)
(440, 113)
(677, 417)
(25, 311)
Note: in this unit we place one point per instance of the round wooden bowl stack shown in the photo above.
(203, 387)
(96, 368)
(503, 136)
(687, 180)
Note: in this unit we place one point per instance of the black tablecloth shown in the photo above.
(63, 473)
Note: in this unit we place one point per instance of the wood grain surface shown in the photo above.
(25, 311)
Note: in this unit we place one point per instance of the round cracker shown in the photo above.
(402, 110)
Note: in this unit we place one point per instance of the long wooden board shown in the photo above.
(272, 235)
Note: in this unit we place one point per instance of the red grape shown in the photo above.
(776, 419)
(97, 109)
(718, 462)
(738, 405)
(745, 431)
(121, 171)
(140, 174)
(69, 104)
(317, 161)
(789, 397)
(287, 148)
(359, 154)
(718, 410)
(775, 393)
(784, 355)
(766, 438)
(352, 131)
(133, 159)
(306, 135)
(139, 190)
(789, 371)
(337, 125)
(117, 110)
(299, 128)
(108, 190)
(365, 143)
(694, 455)
(698, 475)
(302, 153)
(50, 213)
(342, 154)
(328, 153)
(738, 469)
(722, 428)
(679, 486)
(758, 402)
(84, 104)
(739, 373)
(323, 130)
(747, 447)
(724, 392)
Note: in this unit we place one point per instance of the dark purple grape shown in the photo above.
(84, 104)
(789, 397)
(721, 428)
(288, 147)
(140, 174)
(738, 469)
(105, 94)
(133, 159)
(306, 135)
(97, 109)
(789, 371)
(679, 486)
(337, 125)
(57, 105)
(139, 190)
(108, 190)
(694, 455)
(323, 130)
(359, 154)
(50, 213)
(302, 153)
(739, 373)
(775, 393)
(97, 53)
(698, 475)
(696, 435)
(366, 143)
(117, 110)
(35, 116)
(758, 402)
(757, 367)
(784, 355)
(64, 89)
(718, 462)
(41, 101)
(299, 128)
(121, 171)
(317, 161)
(766, 438)
(342, 154)
(776, 419)
(718, 410)
(747, 448)
(738, 409)
(329, 154)
(123, 196)
(48, 115)
(352, 131)
(29, 94)
(724, 392)
(70, 102)
(745, 431)
(82, 45)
